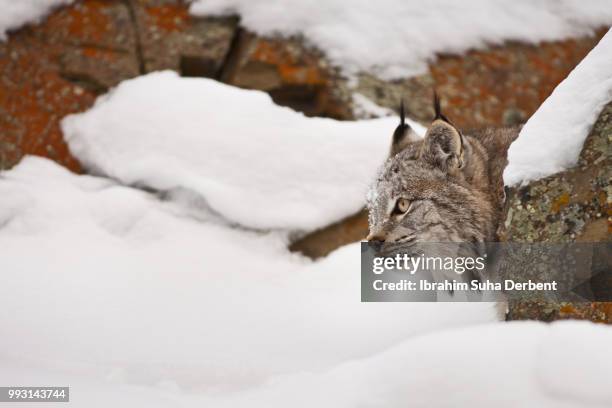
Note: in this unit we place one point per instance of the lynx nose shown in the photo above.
(376, 237)
(376, 241)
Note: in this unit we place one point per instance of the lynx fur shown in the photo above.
(449, 184)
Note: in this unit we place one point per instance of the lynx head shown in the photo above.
(426, 192)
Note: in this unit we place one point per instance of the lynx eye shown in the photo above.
(401, 206)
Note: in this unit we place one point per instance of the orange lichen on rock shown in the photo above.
(100, 54)
(294, 74)
(36, 98)
(604, 311)
(567, 309)
(293, 70)
(37, 91)
(170, 17)
(561, 202)
(85, 20)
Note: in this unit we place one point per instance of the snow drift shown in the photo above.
(255, 163)
(106, 280)
(504, 365)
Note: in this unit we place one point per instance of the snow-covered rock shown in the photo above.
(552, 139)
(397, 37)
(255, 163)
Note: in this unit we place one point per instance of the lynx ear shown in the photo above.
(443, 144)
(403, 134)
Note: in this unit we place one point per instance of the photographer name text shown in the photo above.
(425, 285)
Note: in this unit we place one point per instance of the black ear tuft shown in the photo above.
(436, 102)
(403, 134)
(437, 109)
(402, 128)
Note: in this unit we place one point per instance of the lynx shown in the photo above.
(446, 187)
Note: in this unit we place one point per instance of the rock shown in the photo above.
(323, 241)
(416, 92)
(294, 75)
(96, 69)
(95, 42)
(599, 312)
(98, 23)
(80, 51)
(169, 38)
(57, 68)
(33, 98)
(571, 206)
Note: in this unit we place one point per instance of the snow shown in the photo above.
(16, 13)
(254, 163)
(130, 300)
(108, 282)
(396, 38)
(552, 138)
(363, 107)
(503, 365)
